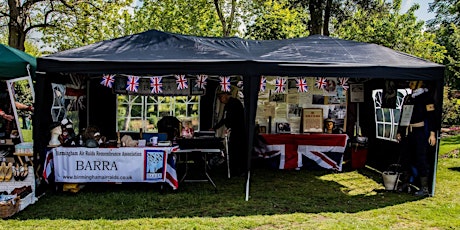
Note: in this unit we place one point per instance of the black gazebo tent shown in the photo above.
(160, 53)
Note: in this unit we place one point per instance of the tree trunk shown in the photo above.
(327, 17)
(316, 17)
(226, 24)
(16, 34)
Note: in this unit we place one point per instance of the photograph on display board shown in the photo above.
(294, 110)
(283, 127)
(333, 100)
(277, 97)
(317, 99)
(262, 129)
(331, 85)
(356, 93)
(338, 114)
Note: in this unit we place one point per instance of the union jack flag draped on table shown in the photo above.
(301, 84)
(171, 174)
(224, 84)
(280, 85)
(313, 152)
(181, 82)
(132, 84)
(156, 84)
(263, 84)
(321, 82)
(48, 169)
(326, 156)
(343, 81)
(201, 81)
(107, 80)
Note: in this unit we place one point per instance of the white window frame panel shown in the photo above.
(129, 99)
(393, 122)
(157, 102)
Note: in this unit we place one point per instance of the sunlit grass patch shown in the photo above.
(354, 183)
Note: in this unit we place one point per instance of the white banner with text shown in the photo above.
(79, 164)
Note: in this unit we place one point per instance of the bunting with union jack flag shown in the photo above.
(224, 84)
(156, 84)
(181, 82)
(301, 84)
(132, 83)
(280, 85)
(107, 80)
(263, 84)
(201, 81)
(343, 81)
(321, 82)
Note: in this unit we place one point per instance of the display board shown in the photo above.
(283, 105)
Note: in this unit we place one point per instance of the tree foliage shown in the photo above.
(449, 37)
(64, 23)
(193, 17)
(445, 26)
(275, 20)
(87, 22)
(447, 12)
(401, 32)
(450, 109)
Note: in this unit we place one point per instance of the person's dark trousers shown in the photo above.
(414, 152)
(237, 153)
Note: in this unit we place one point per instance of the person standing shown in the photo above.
(233, 119)
(415, 133)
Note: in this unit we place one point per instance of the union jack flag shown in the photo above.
(107, 80)
(321, 82)
(156, 84)
(181, 82)
(171, 174)
(343, 81)
(280, 85)
(201, 81)
(48, 169)
(224, 84)
(301, 84)
(263, 84)
(132, 84)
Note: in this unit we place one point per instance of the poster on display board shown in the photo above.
(356, 93)
(312, 119)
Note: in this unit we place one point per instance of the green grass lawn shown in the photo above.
(279, 200)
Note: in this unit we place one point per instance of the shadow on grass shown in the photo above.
(455, 169)
(272, 192)
(453, 140)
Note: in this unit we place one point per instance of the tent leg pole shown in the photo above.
(247, 185)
